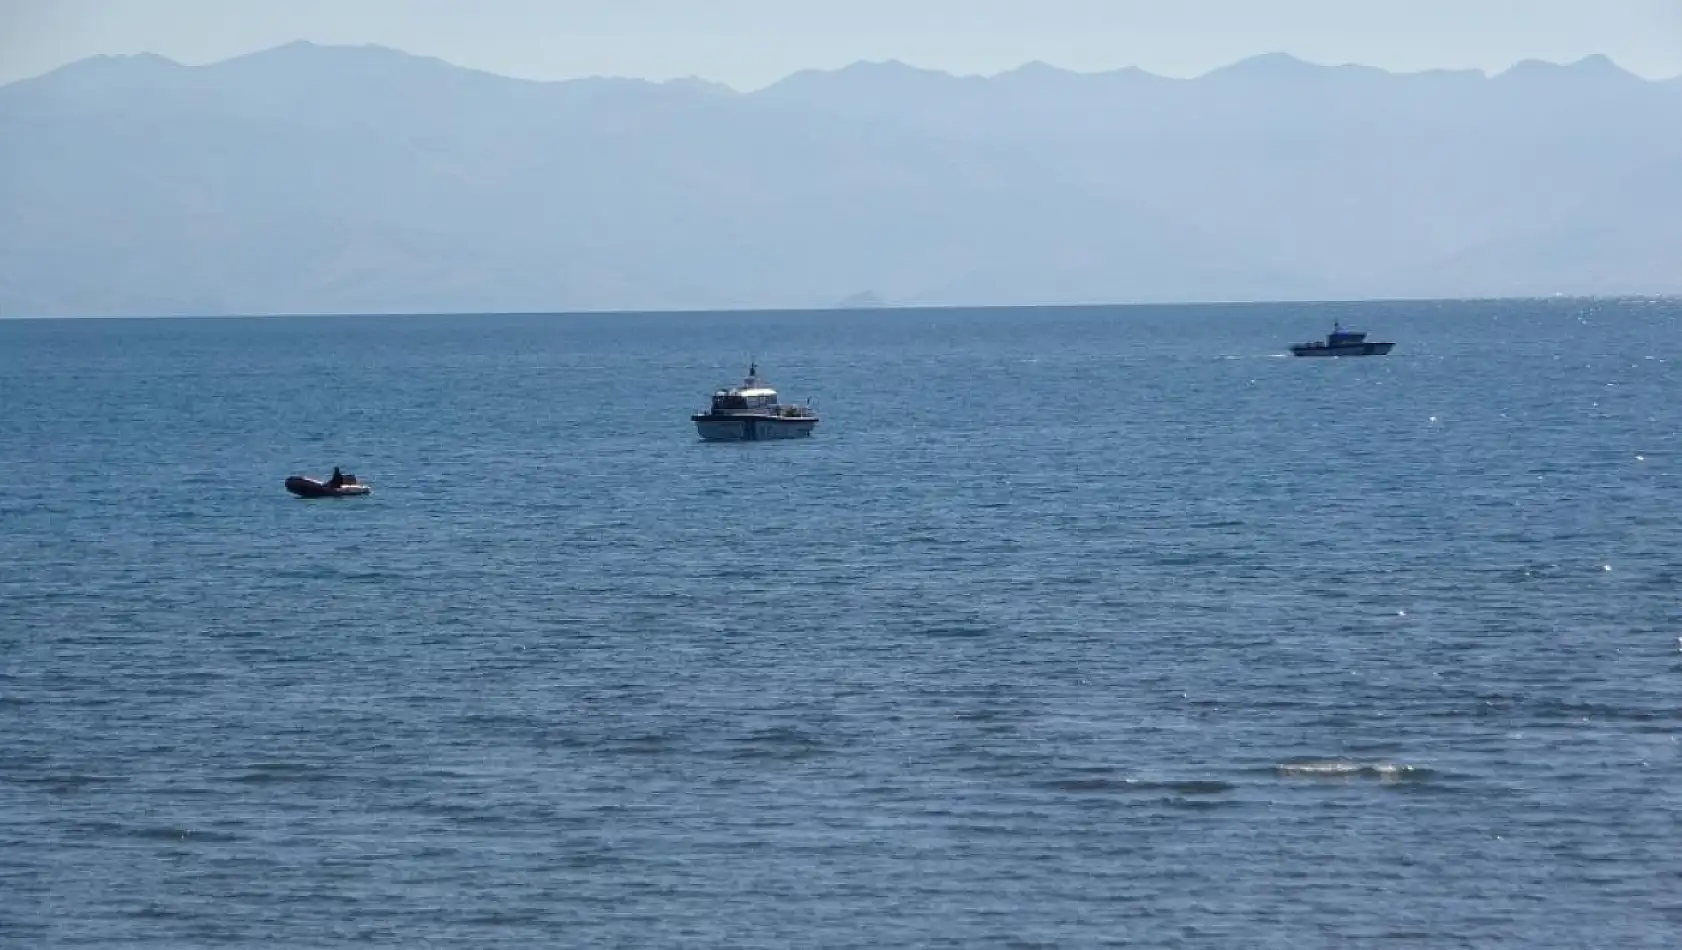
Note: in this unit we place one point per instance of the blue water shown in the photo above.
(1068, 628)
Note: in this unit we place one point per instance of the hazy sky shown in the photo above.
(749, 43)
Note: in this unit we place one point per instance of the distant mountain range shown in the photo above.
(309, 179)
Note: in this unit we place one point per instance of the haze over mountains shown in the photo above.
(309, 179)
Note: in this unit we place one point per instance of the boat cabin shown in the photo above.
(1341, 337)
(751, 396)
(744, 400)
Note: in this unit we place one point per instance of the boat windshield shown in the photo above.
(736, 401)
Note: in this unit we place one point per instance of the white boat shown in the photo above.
(750, 412)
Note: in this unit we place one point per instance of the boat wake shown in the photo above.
(1343, 768)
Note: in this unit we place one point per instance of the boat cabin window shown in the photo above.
(733, 401)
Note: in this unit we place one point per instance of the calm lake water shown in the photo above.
(1068, 628)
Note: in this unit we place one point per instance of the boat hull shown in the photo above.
(752, 428)
(1349, 349)
(310, 488)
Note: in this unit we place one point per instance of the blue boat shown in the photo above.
(1341, 342)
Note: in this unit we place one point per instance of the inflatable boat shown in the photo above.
(305, 487)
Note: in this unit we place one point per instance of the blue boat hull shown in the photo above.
(751, 428)
(1348, 349)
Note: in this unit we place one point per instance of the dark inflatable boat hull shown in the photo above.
(310, 488)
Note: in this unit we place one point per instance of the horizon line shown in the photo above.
(907, 308)
(1275, 56)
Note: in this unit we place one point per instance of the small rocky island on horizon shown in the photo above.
(862, 300)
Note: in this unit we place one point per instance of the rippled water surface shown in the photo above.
(1067, 629)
